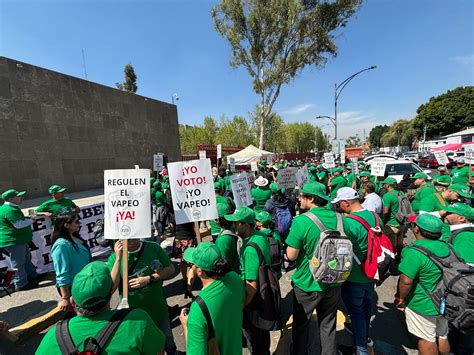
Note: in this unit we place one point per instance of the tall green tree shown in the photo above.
(376, 134)
(447, 113)
(236, 132)
(273, 132)
(401, 132)
(275, 39)
(300, 137)
(130, 83)
(190, 137)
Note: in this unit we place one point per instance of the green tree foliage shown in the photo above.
(275, 39)
(302, 136)
(401, 132)
(376, 134)
(447, 113)
(273, 132)
(130, 83)
(236, 132)
(353, 141)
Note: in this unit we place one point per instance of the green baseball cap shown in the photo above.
(390, 181)
(274, 187)
(364, 173)
(157, 184)
(280, 166)
(165, 185)
(460, 161)
(11, 194)
(339, 169)
(263, 217)
(204, 256)
(441, 168)
(420, 176)
(91, 285)
(242, 214)
(320, 167)
(429, 223)
(316, 189)
(222, 209)
(443, 180)
(462, 190)
(312, 168)
(56, 188)
(218, 185)
(461, 209)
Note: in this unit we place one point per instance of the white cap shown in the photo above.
(346, 193)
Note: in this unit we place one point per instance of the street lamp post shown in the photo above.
(174, 98)
(337, 91)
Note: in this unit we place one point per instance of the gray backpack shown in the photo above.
(404, 208)
(332, 259)
(453, 297)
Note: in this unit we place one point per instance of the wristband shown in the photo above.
(152, 279)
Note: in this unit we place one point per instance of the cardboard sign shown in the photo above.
(329, 160)
(158, 162)
(253, 166)
(202, 154)
(302, 176)
(287, 178)
(127, 204)
(377, 168)
(241, 189)
(192, 191)
(219, 151)
(441, 157)
(343, 157)
(270, 159)
(232, 164)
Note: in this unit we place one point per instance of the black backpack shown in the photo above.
(265, 306)
(92, 346)
(275, 253)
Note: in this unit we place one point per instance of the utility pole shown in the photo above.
(84, 64)
(424, 136)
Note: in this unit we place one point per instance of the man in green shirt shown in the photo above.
(258, 340)
(227, 240)
(261, 193)
(220, 199)
(422, 317)
(392, 228)
(460, 173)
(15, 234)
(308, 293)
(459, 217)
(223, 293)
(424, 189)
(337, 181)
(441, 182)
(91, 292)
(57, 205)
(322, 175)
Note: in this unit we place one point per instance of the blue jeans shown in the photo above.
(358, 299)
(20, 259)
(164, 325)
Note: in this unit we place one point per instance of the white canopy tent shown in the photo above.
(249, 155)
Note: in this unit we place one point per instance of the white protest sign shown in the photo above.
(158, 162)
(469, 151)
(355, 166)
(270, 159)
(329, 160)
(343, 157)
(127, 204)
(251, 179)
(202, 154)
(441, 157)
(302, 176)
(287, 178)
(219, 151)
(192, 191)
(241, 189)
(253, 166)
(377, 168)
(232, 164)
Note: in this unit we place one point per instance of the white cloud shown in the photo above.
(350, 123)
(297, 110)
(467, 60)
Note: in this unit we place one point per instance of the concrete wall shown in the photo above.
(55, 128)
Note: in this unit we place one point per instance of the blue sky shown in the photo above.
(422, 48)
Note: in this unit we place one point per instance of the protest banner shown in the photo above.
(287, 178)
(469, 152)
(127, 204)
(219, 151)
(270, 159)
(192, 191)
(202, 154)
(158, 162)
(343, 156)
(377, 168)
(441, 157)
(253, 166)
(241, 189)
(302, 176)
(231, 162)
(355, 166)
(329, 160)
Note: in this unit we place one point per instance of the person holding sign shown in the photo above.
(149, 265)
(219, 189)
(227, 240)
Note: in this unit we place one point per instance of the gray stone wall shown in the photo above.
(59, 129)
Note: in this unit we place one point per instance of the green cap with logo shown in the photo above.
(462, 190)
(56, 188)
(312, 169)
(390, 181)
(242, 214)
(222, 209)
(91, 285)
(339, 169)
(11, 194)
(316, 189)
(443, 180)
(420, 176)
(441, 168)
(462, 210)
(429, 223)
(204, 256)
(263, 217)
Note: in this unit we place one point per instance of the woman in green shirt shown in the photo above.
(261, 193)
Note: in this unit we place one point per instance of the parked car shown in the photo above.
(431, 162)
(398, 168)
(412, 156)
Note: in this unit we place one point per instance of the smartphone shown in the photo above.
(186, 311)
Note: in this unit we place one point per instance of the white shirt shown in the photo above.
(373, 202)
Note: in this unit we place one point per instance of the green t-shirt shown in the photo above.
(249, 258)
(322, 177)
(350, 179)
(149, 298)
(160, 198)
(260, 196)
(337, 182)
(460, 175)
(9, 235)
(432, 202)
(463, 244)
(224, 299)
(357, 233)
(304, 236)
(418, 267)
(425, 190)
(227, 244)
(57, 208)
(131, 337)
(215, 229)
(390, 200)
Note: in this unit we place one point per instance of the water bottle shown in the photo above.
(442, 305)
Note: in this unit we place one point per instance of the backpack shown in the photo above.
(455, 233)
(453, 297)
(275, 253)
(331, 261)
(212, 346)
(282, 218)
(264, 309)
(404, 209)
(380, 259)
(92, 346)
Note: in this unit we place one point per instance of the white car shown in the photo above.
(398, 168)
